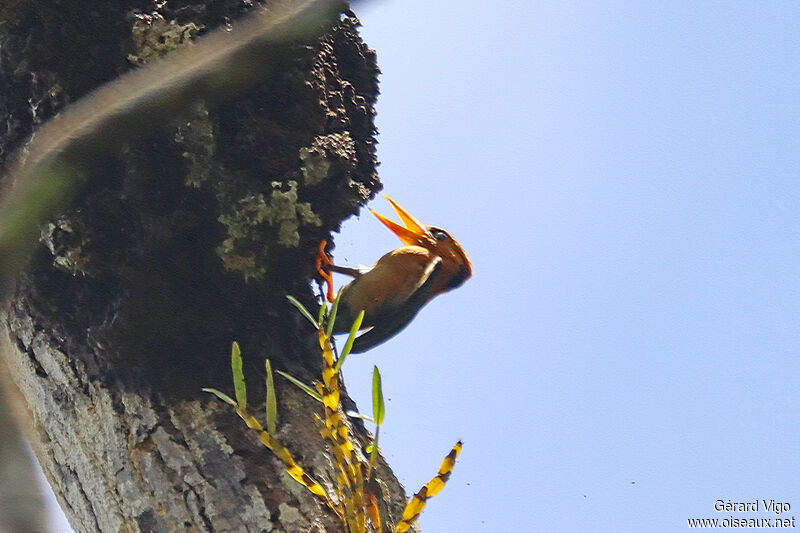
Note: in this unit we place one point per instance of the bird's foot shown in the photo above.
(322, 264)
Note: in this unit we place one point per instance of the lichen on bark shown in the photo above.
(253, 217)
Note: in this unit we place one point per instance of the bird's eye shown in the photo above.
(439, 234)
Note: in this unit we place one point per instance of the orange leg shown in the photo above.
(373, 513)
(323, 260)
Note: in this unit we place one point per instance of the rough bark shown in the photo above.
(192, 240)
(21, 501)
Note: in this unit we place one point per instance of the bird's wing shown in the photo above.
(399, 319)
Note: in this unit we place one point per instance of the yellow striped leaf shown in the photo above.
(417, 503)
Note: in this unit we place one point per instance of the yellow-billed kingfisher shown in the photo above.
(394, 289)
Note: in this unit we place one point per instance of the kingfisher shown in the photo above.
(393, 290)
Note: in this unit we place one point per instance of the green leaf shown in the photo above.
(302, 386)
(356, 414)
(332, 316)
(221, 395)
(350, 339)
(300, 307)
(322, 309)
(373, 452)
(378, 405)
(238, 376)
(370, 447)
(272, 402)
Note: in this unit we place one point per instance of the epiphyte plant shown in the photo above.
(352, 501)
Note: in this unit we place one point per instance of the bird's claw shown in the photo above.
(323, 260)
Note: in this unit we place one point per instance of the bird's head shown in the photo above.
(456, 267)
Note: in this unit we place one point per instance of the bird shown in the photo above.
(393, 290)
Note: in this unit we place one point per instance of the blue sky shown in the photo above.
(625, 177)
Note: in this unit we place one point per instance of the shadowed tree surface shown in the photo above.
(185, 240)
(21, 501)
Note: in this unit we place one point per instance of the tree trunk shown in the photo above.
(191, 240)
(21, 502)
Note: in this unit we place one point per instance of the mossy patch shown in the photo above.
(255, 219)
(196, 136)
(67, 244)
(153, 37)
(324, 152)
